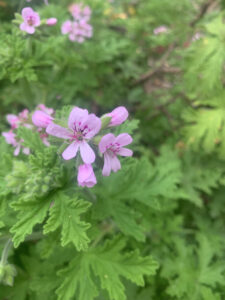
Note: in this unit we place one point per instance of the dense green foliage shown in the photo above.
(155, 229)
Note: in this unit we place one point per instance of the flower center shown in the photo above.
(113, 148)
(80, 133)
(30, 20)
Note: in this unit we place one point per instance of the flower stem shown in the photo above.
(5, 252)
(33, 237)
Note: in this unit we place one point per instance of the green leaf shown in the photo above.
(77, 281)
(31, 139)
(109, 264)
(30, 214)
(190, 270)
(125, 217)
(65, 212)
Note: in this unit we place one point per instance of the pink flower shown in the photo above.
(82, 128)
(31, 20)
(118, 116)
(51, 21)
(77, 31)
(41, 119)
(112, 146)
(160, 29)
(10, 138)
(79, 12)
(13, 120)
(24, 115)
(86, 176)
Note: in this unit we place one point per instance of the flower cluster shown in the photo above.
(79, 29)
(86, 136)
(31, 20)
(86, 131)
(41, 118)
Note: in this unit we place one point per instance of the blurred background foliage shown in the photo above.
(173, 83)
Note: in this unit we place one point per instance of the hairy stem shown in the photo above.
(5, 252)
(33, 237)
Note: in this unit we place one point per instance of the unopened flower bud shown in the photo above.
(86, 176)
(41, 119)
(118, 116)
(51, 21)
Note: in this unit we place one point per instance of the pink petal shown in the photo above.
(71, 151)
(58, 131)
(94, 125)
(23, 26)
(77, 117)
(66, 27)
(125, 152)
(105, 141)
(107, 165)
(37, 19)
(87, 153)
(115, 163)
(123, 139)
(30, 29)
(27, 11)
(17, 151)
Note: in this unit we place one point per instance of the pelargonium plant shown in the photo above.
(86, 137)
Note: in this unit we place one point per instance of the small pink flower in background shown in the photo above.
(10, 138)
(197, 36)
(13, 120)
(112, 146)
(118, 116)
(24, 115)
(21, 119)
(31, 20)
(86, 176)
(80, 12)
(78, 31)
(81, 128)
(41, 119)
(160, 29)
(51, 21)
